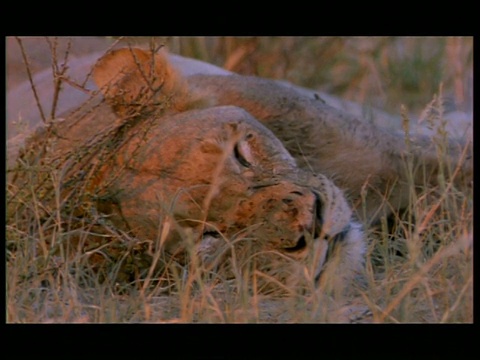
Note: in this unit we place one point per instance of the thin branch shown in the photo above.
(149, 80)
(27, 66)
(58, 73)
(84, 84)
(75, 85)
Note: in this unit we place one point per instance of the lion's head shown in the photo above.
(152, 161)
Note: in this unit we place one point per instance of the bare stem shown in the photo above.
(30, 79)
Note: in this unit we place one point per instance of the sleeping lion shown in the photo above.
(236, 174)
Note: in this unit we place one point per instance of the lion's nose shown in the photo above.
(313, 227)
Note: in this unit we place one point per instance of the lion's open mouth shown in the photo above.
(211, 233)
(334, 243)
(299, 246)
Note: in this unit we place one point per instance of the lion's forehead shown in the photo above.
(210, 125)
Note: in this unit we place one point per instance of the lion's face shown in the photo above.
(218, 174)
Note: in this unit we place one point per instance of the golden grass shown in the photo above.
(419, 264)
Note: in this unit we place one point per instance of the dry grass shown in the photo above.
(419, 265)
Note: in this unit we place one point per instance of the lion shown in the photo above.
(156, 161)
(230, 166)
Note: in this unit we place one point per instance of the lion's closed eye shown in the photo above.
(243, 153)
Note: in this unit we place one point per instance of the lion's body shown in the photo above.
(220, 160)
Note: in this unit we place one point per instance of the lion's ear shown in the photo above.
(135, 81)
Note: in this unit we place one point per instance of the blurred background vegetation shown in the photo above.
(383, 72)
